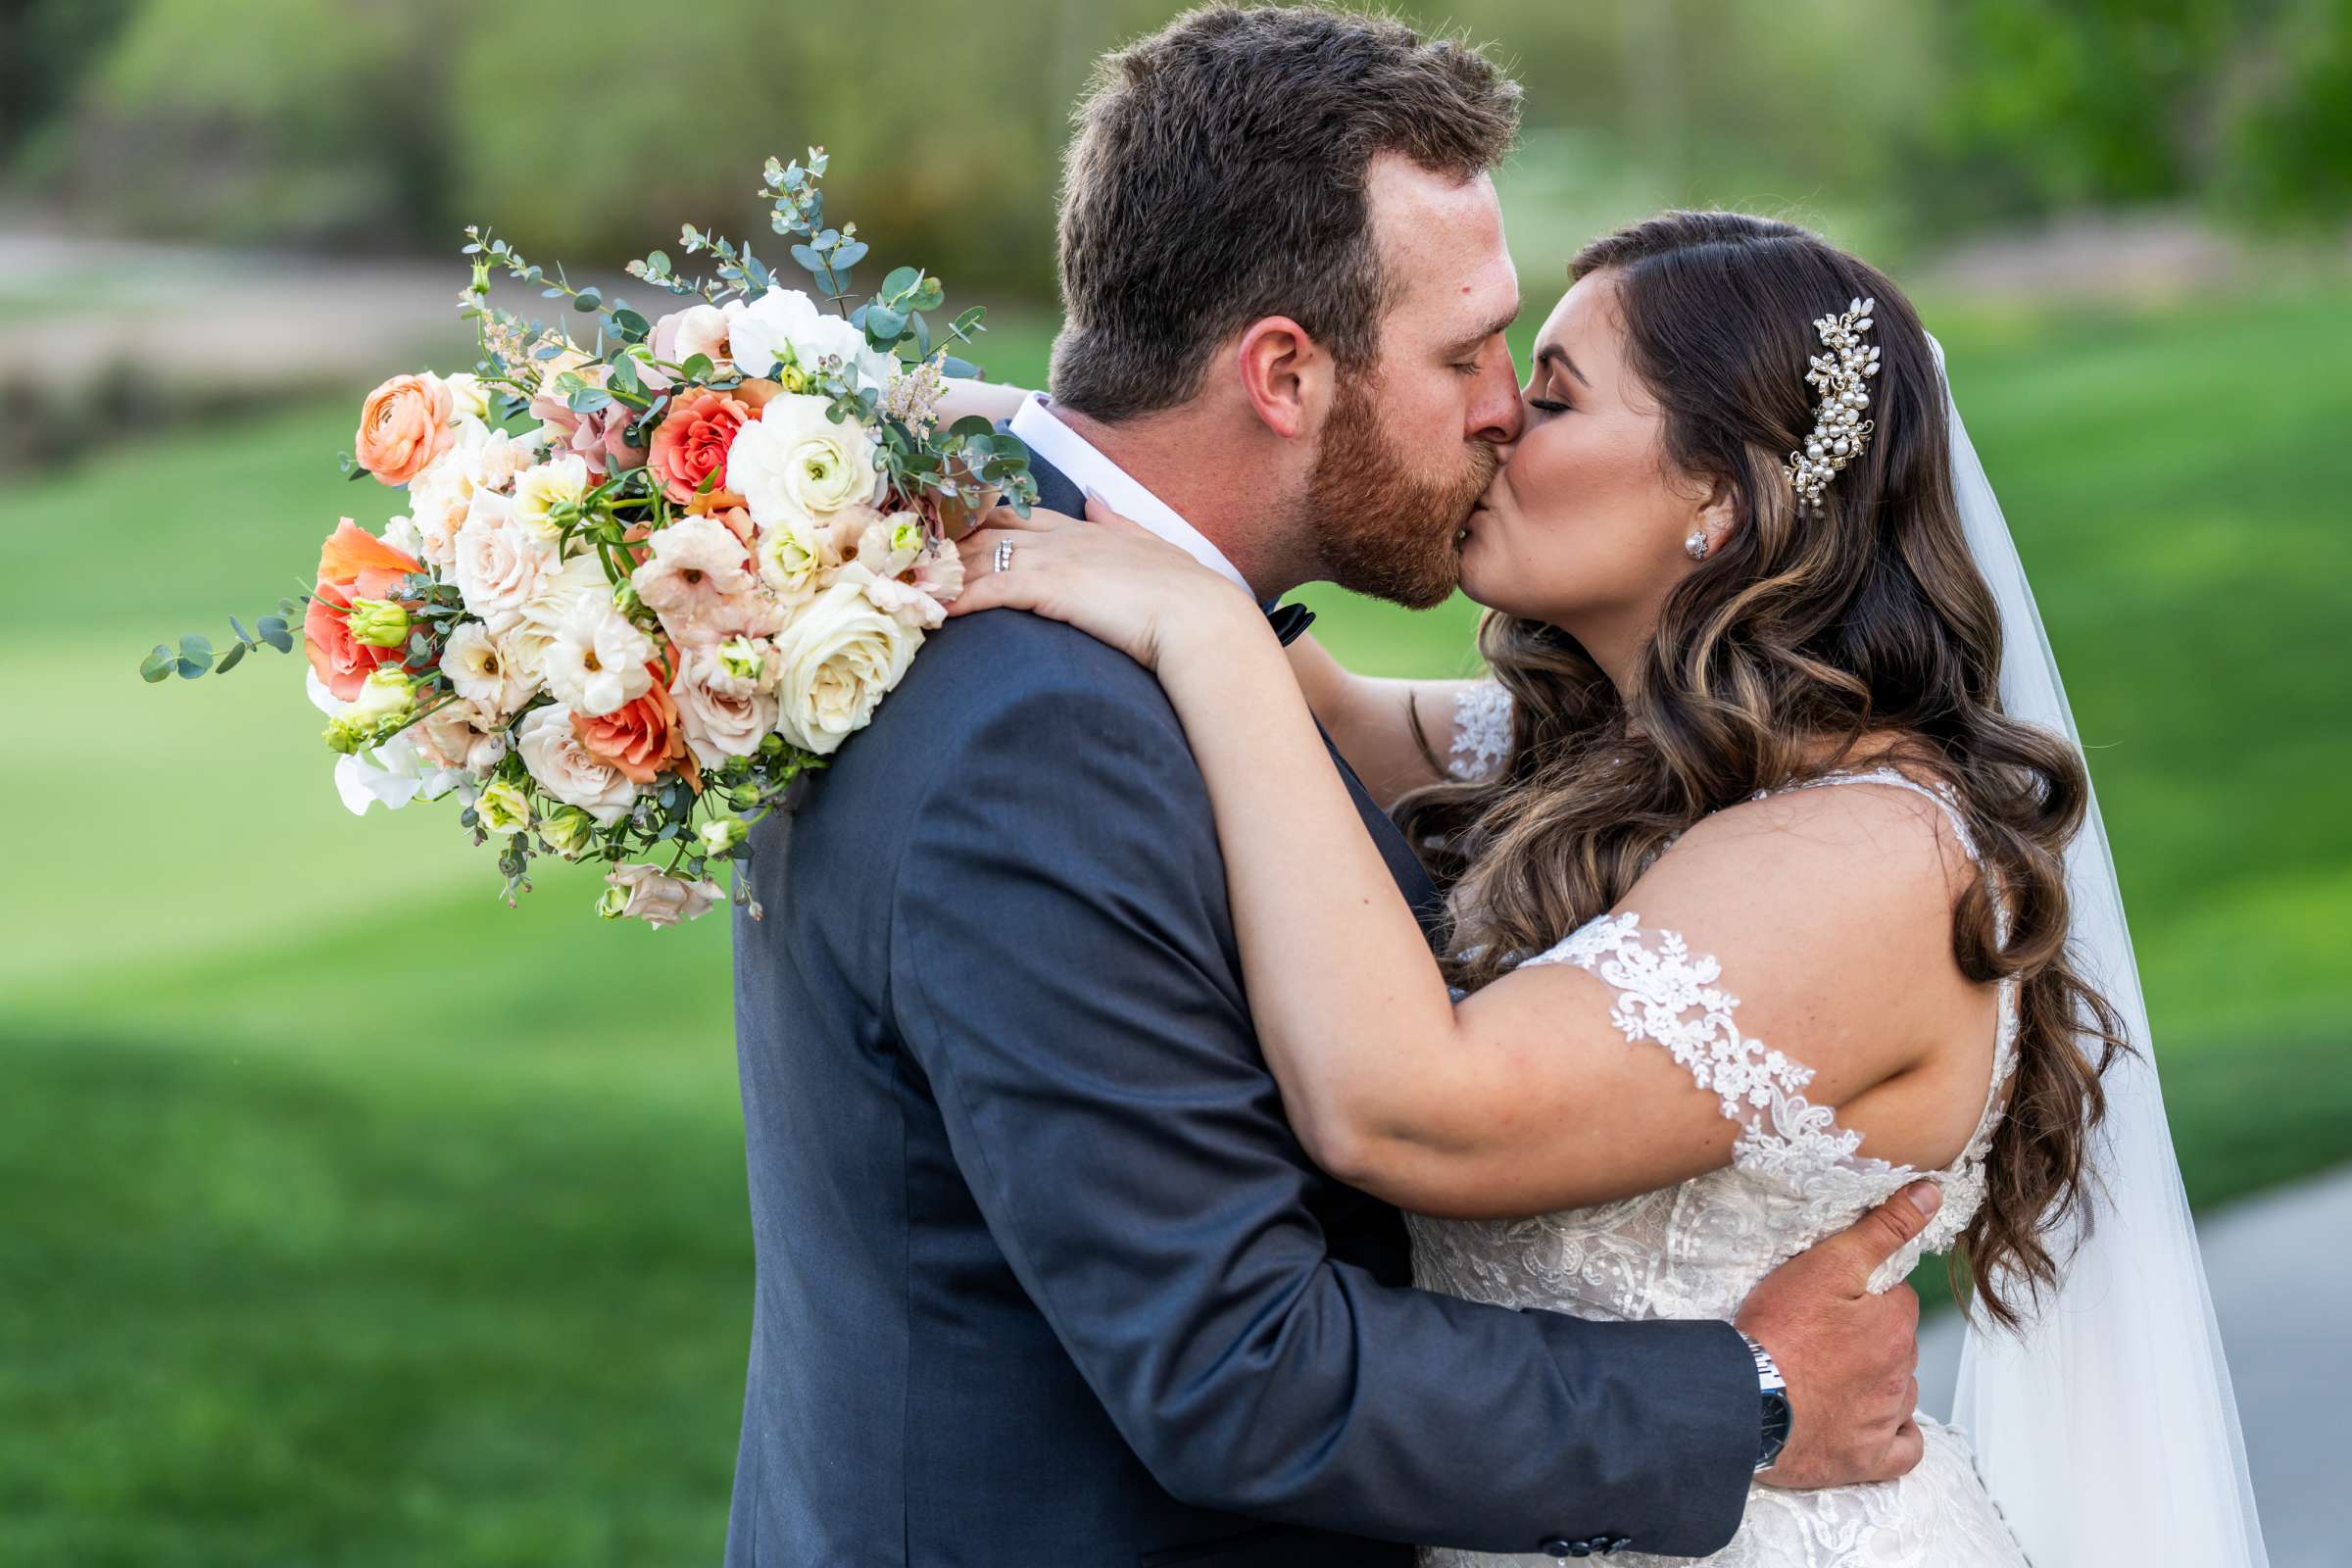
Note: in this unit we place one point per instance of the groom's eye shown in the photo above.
(1467, 366)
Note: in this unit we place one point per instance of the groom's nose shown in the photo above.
(1496, 415)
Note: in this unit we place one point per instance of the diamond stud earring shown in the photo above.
(1696, 544)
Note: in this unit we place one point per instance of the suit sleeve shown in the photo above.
(1061, 967)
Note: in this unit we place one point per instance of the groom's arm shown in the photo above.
(1061, 969)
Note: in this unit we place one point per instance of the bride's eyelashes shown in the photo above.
(1548, 406)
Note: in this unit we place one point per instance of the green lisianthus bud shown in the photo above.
(740, 658)
(722, 833)
(772, 744)
(341, 735)
(908, 535)
(743, 797)
(386, 702)
(613, 903)
(380, 622)
(502, 807)
(626, 596)
(569, 831)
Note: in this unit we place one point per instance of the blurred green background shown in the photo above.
(356, 1217)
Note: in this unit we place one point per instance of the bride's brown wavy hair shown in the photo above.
(1795, 639)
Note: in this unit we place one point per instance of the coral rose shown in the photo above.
(641, 737)
(404, 425)
(692, 444)
(353, 564)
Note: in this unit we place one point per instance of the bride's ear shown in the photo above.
(1285, 374)
(1718, 514)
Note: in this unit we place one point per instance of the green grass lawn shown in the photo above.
(291, 1275)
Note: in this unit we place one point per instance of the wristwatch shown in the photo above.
(1779, 1417)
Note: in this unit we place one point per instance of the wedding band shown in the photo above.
(1003, 561)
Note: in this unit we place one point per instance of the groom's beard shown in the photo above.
(1380, 526)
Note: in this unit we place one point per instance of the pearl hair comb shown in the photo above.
(1839, 432)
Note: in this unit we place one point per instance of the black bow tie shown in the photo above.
(1289, 621)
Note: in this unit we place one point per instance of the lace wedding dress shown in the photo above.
(1696, 1249)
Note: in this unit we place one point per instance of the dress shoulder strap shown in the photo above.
(1942, 794)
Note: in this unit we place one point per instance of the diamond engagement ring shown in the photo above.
(1003, 561)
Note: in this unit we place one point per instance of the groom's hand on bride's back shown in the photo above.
(1850, 1359)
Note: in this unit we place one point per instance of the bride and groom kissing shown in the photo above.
(1206, 1106)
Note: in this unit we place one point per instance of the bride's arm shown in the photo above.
(1397, 734)
(1531, 1094)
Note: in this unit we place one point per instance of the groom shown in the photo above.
(1044, 1279)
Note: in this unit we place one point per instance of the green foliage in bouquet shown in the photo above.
(644, 556)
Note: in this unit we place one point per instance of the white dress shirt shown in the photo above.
(1084, 466)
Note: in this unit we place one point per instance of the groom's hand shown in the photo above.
(1850, 1359)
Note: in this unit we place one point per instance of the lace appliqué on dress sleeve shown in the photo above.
(1482, 732)
(1667, 995)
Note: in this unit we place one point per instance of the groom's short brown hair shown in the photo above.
(1217, 178)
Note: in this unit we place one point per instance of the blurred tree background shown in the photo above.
(387, 127)
(357, 1218)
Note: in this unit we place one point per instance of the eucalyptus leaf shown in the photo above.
(156, 665)
(273, 632)
(228, 661)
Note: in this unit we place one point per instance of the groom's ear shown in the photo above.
(1285, 374)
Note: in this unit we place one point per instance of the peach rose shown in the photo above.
(641, 737)
(404, 425)
(353, 564)
(692, 444)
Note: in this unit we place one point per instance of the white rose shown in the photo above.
(443, 497)
(568, 770)
(596, 660)
(539, 491)
(794, 461)
(498, 564)
(723, 714)
(836, 661)
(784, 331)
(481, 671)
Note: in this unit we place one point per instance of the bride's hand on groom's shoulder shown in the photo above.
(1850, 1359)
(1109, 578)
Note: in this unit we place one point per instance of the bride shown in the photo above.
(1765, 898)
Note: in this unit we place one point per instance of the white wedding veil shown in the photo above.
(2105, 1427)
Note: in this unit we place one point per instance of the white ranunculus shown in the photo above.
(596, 660)
(796, 463)
(722, 712)
(499, 563)
(784, 331)
(481, 671)
(538, 491)
(836, 661)
(568, 770)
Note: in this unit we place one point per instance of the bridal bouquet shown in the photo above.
(642, 586)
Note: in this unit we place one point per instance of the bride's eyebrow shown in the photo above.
(1551, 352)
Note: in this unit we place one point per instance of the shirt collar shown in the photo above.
(1084, 465)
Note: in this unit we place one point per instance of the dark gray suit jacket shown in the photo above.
(1044, 1279)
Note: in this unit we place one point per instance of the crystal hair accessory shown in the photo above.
(1839, 432)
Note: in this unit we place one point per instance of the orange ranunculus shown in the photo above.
(404, 425)
(641, 737)
(353, 564)
(692, 444)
